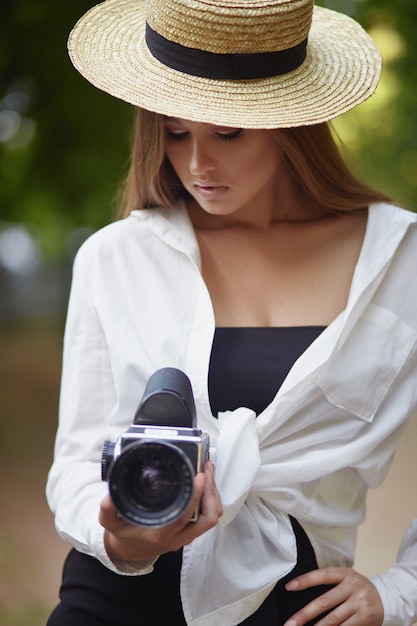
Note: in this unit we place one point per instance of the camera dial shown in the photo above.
(107, 456)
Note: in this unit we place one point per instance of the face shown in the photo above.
(226, 170)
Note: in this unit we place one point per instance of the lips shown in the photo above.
(209, 191)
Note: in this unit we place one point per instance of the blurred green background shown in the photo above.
(63, 152)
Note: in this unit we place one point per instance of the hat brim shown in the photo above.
(342, 69)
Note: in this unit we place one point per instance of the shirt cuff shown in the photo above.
(398, 594)
(137, 568)
(127, 568)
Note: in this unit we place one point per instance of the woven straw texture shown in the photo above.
(242, 26)
(341, 70)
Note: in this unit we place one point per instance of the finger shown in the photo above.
(325, 604)
(211, 502)
(193, 505)
(108, 516)
(353, 601)
(322, 576)
(336, 617)
(333, 606)
(209, 506)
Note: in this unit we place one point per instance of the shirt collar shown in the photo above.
(386, 228)
(173, 226)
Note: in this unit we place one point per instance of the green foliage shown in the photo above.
(61, 169)
(382, 132)
(64, 144)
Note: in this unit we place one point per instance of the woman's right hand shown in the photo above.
(126, 542)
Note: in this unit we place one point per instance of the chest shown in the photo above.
(283, 278)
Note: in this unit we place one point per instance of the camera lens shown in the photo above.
(151, 483)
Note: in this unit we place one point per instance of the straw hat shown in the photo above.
(240, 63)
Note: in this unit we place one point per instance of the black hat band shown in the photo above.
(224, 66)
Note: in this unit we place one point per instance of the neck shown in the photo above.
(255, 218)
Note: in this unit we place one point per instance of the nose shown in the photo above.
(202, 159)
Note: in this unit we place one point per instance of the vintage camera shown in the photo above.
(150, 468)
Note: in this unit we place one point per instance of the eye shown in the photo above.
(230, 135)
(176, 135)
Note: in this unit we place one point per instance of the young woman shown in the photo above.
(253, 260)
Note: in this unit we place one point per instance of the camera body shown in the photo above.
(150, 469)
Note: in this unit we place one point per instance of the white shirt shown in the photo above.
(139, 303)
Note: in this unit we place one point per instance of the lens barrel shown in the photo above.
(151, 482)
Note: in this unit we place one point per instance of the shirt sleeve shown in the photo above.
(74, 487)
(398, 585)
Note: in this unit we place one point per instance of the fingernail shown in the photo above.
(291, 586)
(290, 623)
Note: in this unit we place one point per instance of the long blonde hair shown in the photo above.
(319, 172)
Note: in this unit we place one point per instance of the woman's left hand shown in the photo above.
(353, 601)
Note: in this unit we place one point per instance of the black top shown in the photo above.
(248, 365)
